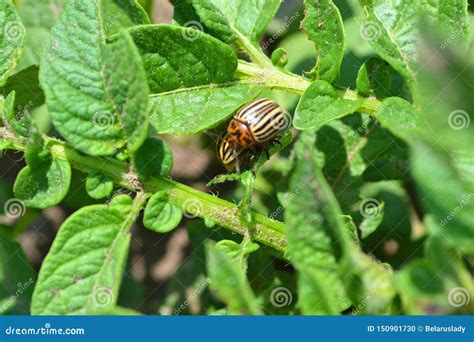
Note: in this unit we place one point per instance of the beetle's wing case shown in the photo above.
(269, 124)
(249, 114)
(263, 117)
(231, 159)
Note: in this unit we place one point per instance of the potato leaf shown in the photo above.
(120, 14)
(310, 247)
(192, 110)
(401, 118)
(83, 269)
(173, 58)
(98, 185)
(12, 34)
(246, 19)
(230, 281)
(107, 83)
(446, 197)
(323, 25)
(321, 104)
(160, 215)
(374, 78)
(43, 184)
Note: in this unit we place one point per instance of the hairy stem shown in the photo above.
(261, 228)
(276, 78)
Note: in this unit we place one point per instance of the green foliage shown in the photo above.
(153, 159)
(45, 184)
(323, 25)
(98, 186)
(160, 215)
(173, 58)
(365, 206)
(11, 39)
(374, 78)
(309, 245)
(110, 96)
(83, 269)
(321, 104)
(192, 110)
(242, 19)
(227, 275)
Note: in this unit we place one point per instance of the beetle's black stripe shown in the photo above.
(268, 127)
(266, 117)
(250, 105)
(250, 114)
(228, 155)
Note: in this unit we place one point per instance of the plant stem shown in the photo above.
(261, 228)
(276, 78)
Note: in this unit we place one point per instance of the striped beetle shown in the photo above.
(232, 159)
(258, 122)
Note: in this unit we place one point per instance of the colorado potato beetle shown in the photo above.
(232, 159)
(257, 122)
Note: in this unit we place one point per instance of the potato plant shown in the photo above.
(365, 205)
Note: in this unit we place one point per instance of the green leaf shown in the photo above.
(215, 21)
(310, 247)
(160, 215)
(452, 22)
(18, 122)
(153, 159)
(230, 282)
(279, 57)
(43, 184)
(83, 269)
(365, 277)
(321, 104)
(12, 34)
(445, 195)
(192, 110)
(392, 29)
(107, 83)
(174, 59)
(120, 14)
(373, 217)
(246, 19)
(29, 94)
(38, 16)
(356, 150)
(323, 25)
(98, 185)
(238, 252)
(374, 78)
(401, 118)
(439, 283)
(17, 278)
(352, 265)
